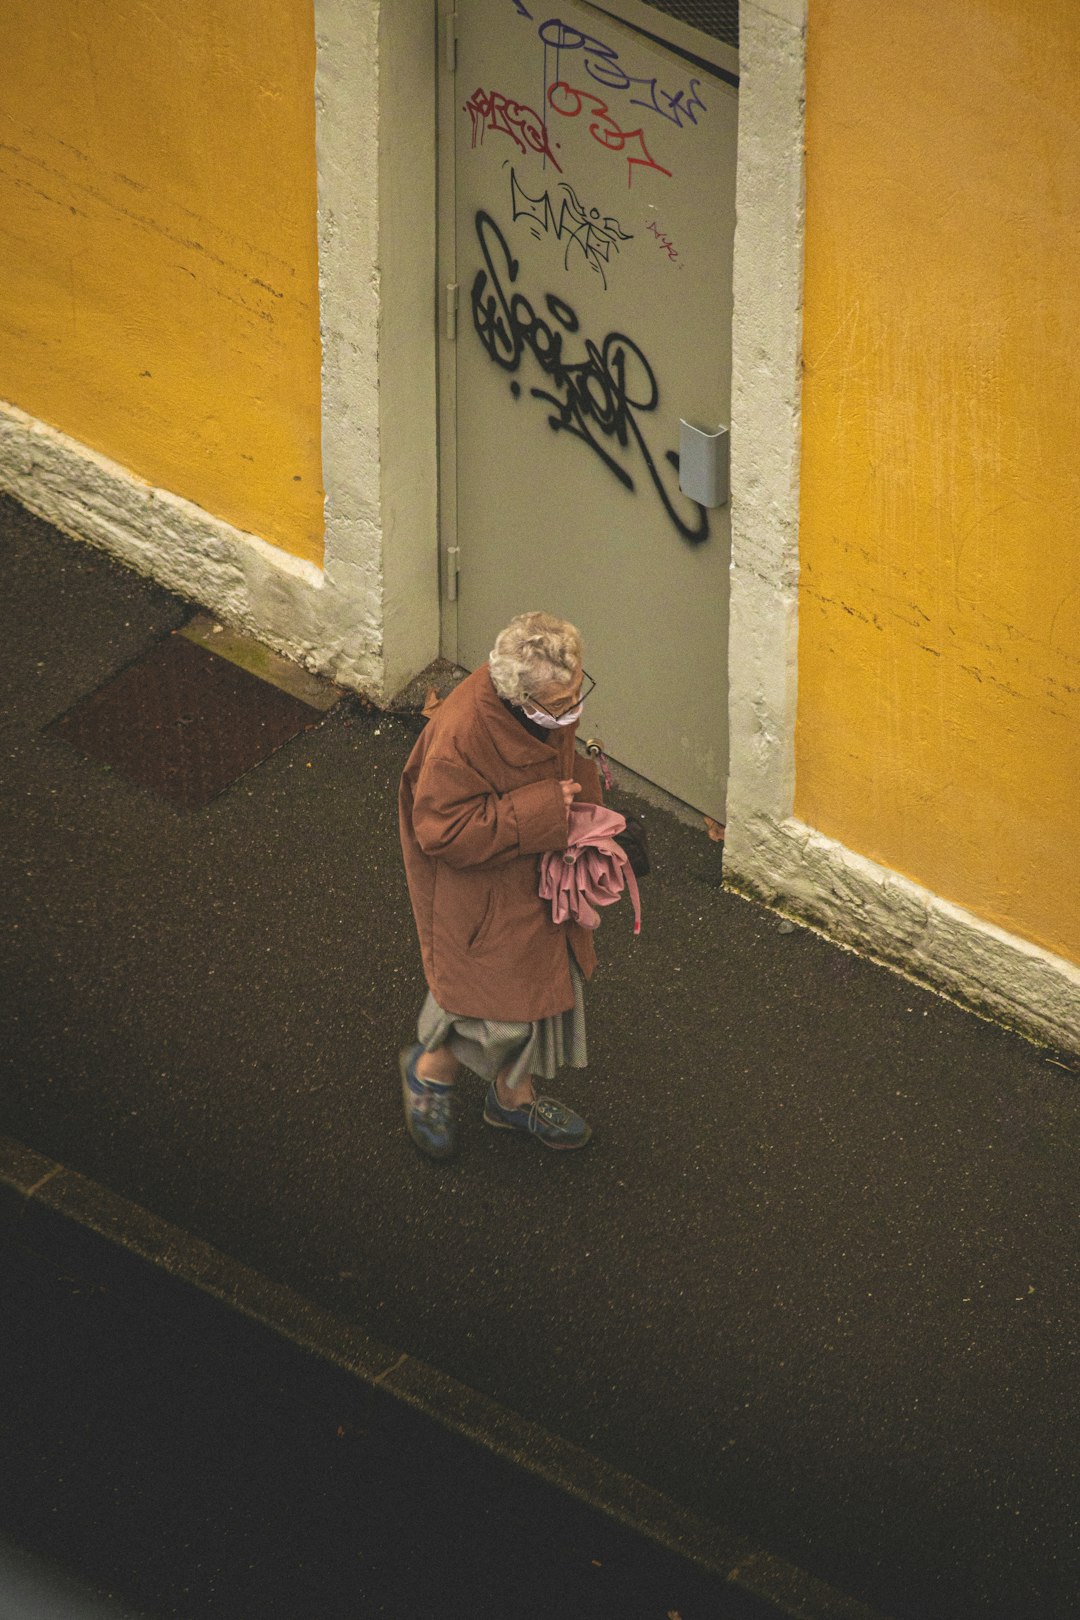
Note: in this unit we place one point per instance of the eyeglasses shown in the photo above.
(588, 685)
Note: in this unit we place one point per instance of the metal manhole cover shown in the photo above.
(183, 722)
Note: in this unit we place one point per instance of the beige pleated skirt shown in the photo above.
(487, 1045)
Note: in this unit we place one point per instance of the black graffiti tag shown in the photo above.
(595, 235)
(594, 398)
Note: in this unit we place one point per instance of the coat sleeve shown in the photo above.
(457, 817)
(587, 774)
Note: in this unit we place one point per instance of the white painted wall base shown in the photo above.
(293, 606)
(861, 904)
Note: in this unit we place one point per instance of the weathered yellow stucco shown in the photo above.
(939, 633)
(158, 274)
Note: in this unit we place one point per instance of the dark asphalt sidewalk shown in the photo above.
(816, 1278)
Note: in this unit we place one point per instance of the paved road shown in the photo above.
(177, 1461)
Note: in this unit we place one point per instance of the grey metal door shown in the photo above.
(592, 225)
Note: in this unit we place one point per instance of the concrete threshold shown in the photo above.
(116, 1243)
(236, 647)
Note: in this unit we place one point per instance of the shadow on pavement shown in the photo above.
(186, 1463)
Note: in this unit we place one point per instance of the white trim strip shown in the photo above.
(290, 604)
(899, 923)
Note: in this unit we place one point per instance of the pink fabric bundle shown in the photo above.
(591, 871)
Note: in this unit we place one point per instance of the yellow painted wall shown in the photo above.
(158, 274)
(939, 639)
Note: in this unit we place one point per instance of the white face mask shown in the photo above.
(549, 721)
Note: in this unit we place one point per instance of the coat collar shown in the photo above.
(513, 744)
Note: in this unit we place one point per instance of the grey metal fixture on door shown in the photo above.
(704, 465)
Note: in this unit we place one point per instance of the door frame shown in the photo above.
(447, 314)
(765, 402)
(766, 433)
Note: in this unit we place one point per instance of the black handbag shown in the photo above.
(636, 846)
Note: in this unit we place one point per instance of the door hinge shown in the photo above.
(449, 50)
(453, 571)
(450, 309)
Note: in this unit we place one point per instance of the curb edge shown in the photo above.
(36, 1190)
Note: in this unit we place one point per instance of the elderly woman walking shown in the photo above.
(486, 792)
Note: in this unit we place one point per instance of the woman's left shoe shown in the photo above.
(429, 1116)
(549, 1121)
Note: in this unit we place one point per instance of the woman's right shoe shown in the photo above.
(548, 1121)
(429, 1116)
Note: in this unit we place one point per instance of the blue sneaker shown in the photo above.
(428, 1114)
(549, 1121)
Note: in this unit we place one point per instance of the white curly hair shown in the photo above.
(536, 654)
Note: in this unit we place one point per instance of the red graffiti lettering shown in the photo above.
(664, 241)
(562, 98)
(491, 111)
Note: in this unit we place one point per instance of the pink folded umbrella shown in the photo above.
(591, 871)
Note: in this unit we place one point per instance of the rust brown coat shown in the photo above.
(479, 804)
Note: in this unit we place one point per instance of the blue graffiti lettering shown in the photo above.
(602, 64)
